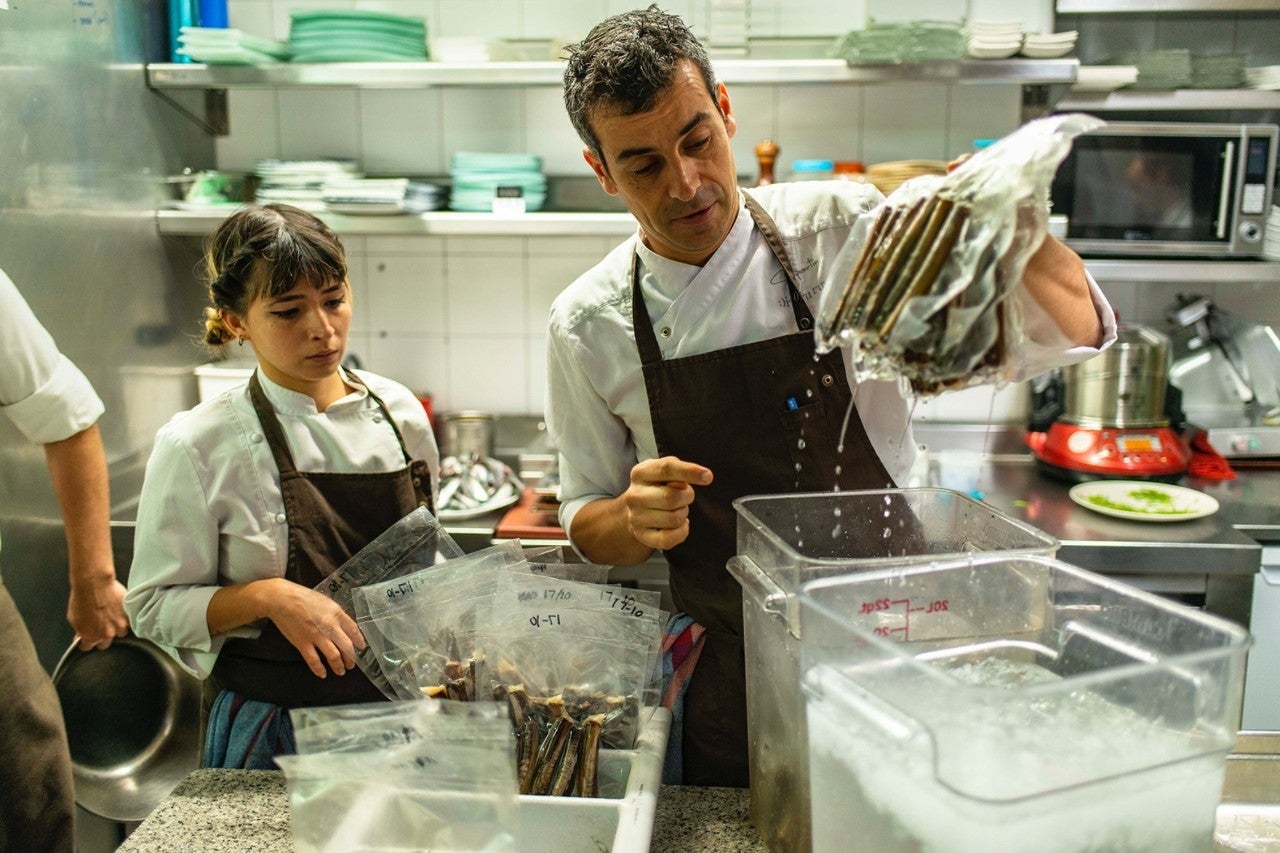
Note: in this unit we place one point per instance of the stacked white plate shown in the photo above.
(1263, 77)
(1048, 45)
(380, 196)
(1271, 240)
(1104, 78)
(993, 39)
(224, 46)
(300, 182)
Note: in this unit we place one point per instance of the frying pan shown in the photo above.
(133, 724)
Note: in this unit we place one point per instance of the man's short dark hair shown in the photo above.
(624, 63)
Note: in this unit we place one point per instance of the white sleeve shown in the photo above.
(175, 560)
(46, 396)
(596, 448)
(1045, 346)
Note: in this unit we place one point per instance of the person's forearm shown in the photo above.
(239, 604)
(1056, 278)
(601, 533)
(78, 469)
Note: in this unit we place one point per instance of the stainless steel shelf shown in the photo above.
(1183, 272)
(392, 75)
(1175, 100)
(1148, 7)
(183, 223)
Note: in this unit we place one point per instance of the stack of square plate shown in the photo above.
(1048, 45)
(993, 39)
(1160, 69)
(1224, 71)
(1263, 77)
(300, 182)
(477, 177)
(381, 196)
(350, 35)
(226, 46)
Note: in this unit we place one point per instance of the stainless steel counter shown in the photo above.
(1209, 562)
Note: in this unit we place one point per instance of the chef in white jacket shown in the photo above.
(682, 370)
(52, 403)
(254, 497)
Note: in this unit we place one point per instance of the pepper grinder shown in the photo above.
(766, 154)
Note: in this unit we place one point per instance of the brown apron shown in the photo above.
(765, 417)
(330, 518)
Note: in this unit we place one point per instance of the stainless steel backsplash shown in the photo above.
(84, 149)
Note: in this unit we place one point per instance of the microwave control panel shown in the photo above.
(1253, 198)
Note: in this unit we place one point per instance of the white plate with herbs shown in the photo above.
(1142, 500)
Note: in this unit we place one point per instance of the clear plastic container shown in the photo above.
(787, 540)
(1014, 703)
(812, 170)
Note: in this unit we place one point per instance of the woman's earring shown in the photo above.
(240, 341)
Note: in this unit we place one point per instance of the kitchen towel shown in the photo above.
(681, 646)
(245, 734)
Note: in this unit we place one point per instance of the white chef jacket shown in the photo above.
(211, 512)
(41, 391)
(597, 408)
(46, 396)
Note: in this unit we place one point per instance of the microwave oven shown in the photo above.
(1160, 189)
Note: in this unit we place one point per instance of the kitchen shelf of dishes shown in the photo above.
(1174, 80)
(361, 48)
(503, 187)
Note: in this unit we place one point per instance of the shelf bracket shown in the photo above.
(214, 120)
(1039, 99)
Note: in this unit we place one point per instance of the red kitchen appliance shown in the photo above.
(1113, 416)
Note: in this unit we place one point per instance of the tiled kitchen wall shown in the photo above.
(463, 317)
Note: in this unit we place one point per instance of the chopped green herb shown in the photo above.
(1154, 496)
(1140, 494)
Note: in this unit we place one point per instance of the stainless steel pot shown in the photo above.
(467, 433)
(133, 724)
(1124, 386)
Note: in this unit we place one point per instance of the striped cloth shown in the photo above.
(681, 646)
(245, 734)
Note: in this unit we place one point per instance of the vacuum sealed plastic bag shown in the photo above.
(419, 627)
(444, 788)
(414, 542)
(919, 293)
(376, 725)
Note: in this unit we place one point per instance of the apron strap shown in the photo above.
(271, 428)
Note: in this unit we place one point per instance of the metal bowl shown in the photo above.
(133, 725)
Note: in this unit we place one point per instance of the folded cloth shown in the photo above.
(1206, 462)
(681, 646)
(245, 734)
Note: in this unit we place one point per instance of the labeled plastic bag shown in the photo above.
(414, 542)
(377, 725)
(920, 291)
(431, 791)
(420, 627)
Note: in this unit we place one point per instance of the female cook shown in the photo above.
(255, 496)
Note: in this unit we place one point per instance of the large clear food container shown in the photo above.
(787, 540)
(1016, 704)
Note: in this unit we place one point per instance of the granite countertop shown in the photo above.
(219, 811)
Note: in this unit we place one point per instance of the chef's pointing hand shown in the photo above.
(658, 499)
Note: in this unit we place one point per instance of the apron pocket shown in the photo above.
(811, 444)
